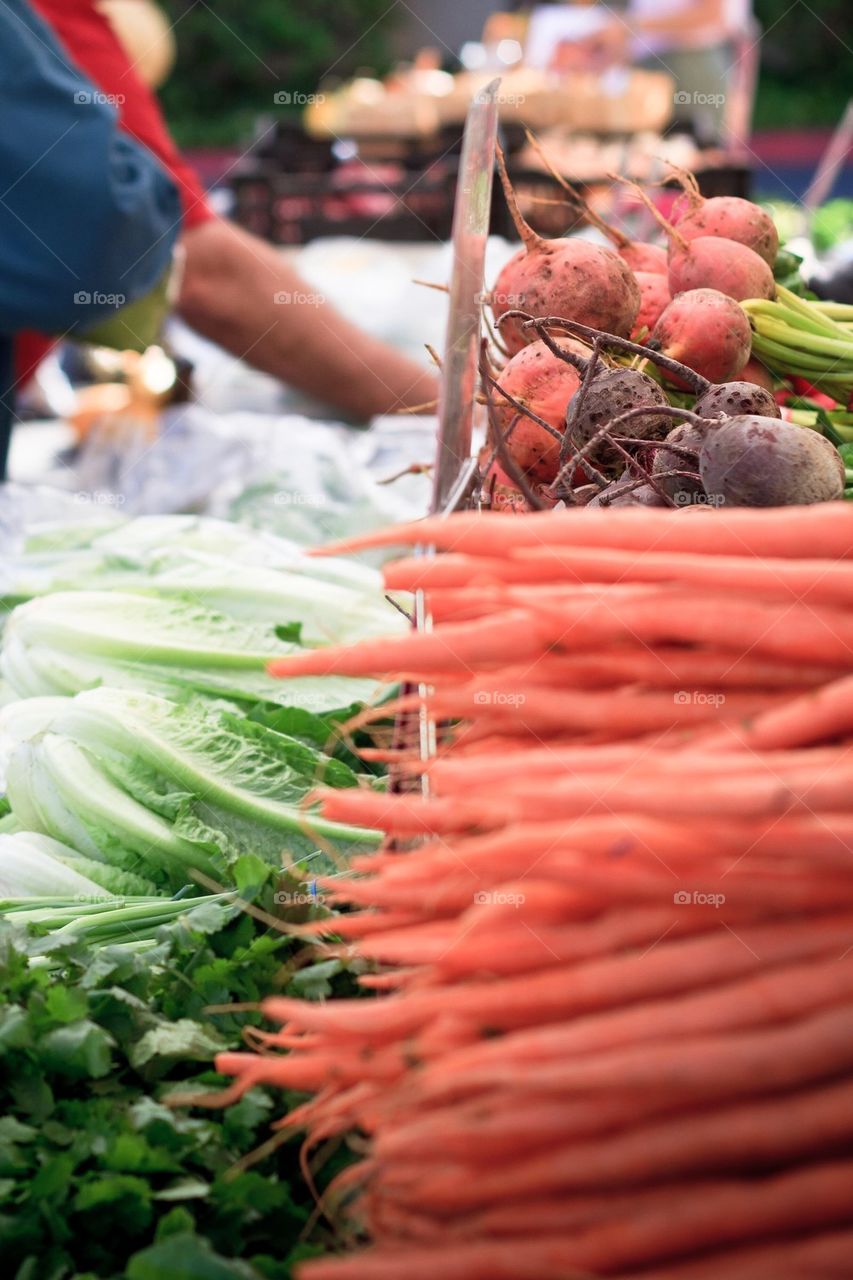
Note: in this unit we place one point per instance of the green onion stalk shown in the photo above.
(109, 920)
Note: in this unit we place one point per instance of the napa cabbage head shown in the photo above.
(174, 645)
(164, 789)
(35, 865)
(122, 554)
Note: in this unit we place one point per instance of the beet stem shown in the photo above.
(577, 401)
(518, 406)
(616, 237)
(689, 455)
(606, 432)
(530, 238)
(694, 380)
(641, 195)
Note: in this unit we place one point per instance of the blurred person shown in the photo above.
(695, 41)
(231, 278)
(573, 37)
(88, 217)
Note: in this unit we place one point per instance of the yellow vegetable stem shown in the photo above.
(786, 359)
(783, 315)
(841, 312)
(804, 308)
(817, 345)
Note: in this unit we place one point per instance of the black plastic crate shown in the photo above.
(288, 208)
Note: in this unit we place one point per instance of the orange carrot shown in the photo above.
(754, 1135)
(818, 716)
(779, 630)
(693, 1218)
(453, 649)
(666, 667)
(822, 531)
(697, 1070)
(485, 1130)
(567, 991)
(686, 1219)
(448, 775)
(544, 710)
(816, 581)
(560, 624)
(819, 1257)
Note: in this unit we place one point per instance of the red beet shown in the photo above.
(655, 297)
(572, 278)
(736, 398)
(712, 262)
(613, 393)
(753, 461)
(644, 257)
(682, 489)
(544, 383)
(707, 331)
(728, 216)
(755, 371)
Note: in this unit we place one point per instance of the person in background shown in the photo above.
(694, 41)
(231, 279)
(88, 217)
(566, 38)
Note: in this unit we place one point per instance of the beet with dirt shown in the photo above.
(734, 399)
(573, 278)
(611, 394)
(682, 489)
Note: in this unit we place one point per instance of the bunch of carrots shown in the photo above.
(613, 1034)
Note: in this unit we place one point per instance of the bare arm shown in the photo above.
(228, 294)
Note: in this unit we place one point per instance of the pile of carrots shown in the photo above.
(613, 1029)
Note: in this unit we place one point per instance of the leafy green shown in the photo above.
(113, 554)
(162, 789)
(181, 647)
(786, 271)
(99, 1177)
(32, 864)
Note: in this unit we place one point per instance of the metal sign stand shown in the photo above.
(454, 466)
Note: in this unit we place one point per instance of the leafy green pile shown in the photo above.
(99, 1179)
(142, 743)
(141, 728)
